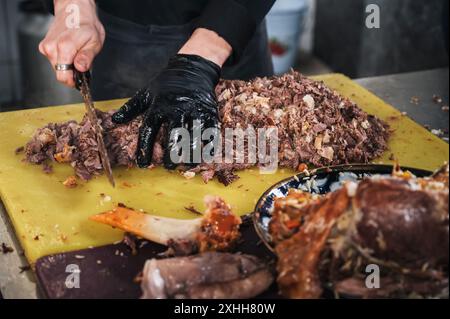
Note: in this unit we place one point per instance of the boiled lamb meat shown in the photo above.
(316, 126)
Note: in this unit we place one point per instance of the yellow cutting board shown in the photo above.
(49, 218)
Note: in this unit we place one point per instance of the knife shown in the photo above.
(82, 80)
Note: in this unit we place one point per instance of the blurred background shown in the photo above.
(312, 36)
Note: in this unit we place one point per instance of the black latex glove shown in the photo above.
(183, 92)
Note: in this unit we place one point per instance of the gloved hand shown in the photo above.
(182, 93)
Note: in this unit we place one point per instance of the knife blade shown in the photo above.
(82, 83)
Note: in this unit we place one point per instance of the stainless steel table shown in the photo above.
(415, 93)
(412, 93)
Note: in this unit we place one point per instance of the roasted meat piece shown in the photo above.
(299, 255)
(205, 276)
(399, 223)
(220, 227)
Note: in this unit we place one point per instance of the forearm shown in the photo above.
(234, 20)
(57, 6)
(61, 5)
(208, 45)
(87, 8)
(75, 36)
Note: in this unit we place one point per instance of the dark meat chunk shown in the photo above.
(226, 177)
(131, 241)
(401, 224)
(47, 168)
(181, 247)
(19, 150)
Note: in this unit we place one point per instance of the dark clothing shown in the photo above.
(234, 20)
(133, 54)
(142, 35)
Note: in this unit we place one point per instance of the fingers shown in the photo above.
(60, 52)
(211, 141)
(66, 52)
(84, 57)
(83, 60)
(78, 47)
(135, 106)
(170, 143)
(211, 123)
(147, 135)
(197, 125)
(196, 140)
(48, 49)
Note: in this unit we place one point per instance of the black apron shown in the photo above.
(133, 54)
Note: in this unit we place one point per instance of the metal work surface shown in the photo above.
(16, 280)
(411, 93)
(415, 93)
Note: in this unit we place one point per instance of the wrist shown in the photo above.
(86, 7)
(209, 45)
(201, 72)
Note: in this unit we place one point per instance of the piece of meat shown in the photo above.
(47, 168)
(131, 241)
(205, 276)
(290, 213)
(299, 256)
(70, 182)
(399, 223)
(220, 227)
(315, 125)
(19, 150)
(66, 156)
(356, 287)
(181, 247)
(402, 224)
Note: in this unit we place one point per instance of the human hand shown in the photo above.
(73, 44)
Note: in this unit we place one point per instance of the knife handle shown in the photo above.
(78, 78)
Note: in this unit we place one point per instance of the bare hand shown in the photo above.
(70, 42)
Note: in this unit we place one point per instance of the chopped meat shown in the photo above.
(76, 143)
(19, 150)
(66, 156)
(6, 249)
(24, 269)
(316, 126)
(47, 168)
(226, 177)
(71, 182)
(437, 99)
(205, 276)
